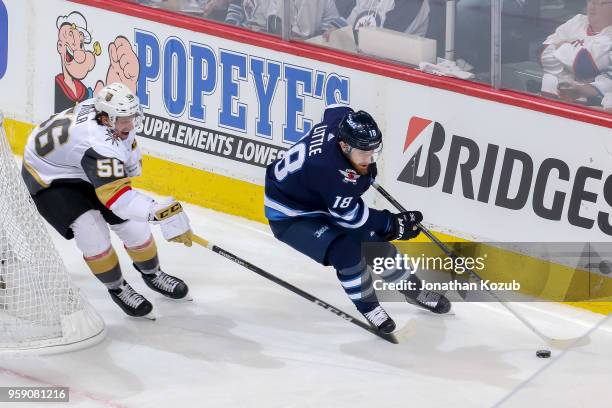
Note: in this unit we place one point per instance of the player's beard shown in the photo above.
(362, 169)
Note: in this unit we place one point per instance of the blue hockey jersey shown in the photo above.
(315, 179)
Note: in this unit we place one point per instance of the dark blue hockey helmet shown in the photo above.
(359, 131)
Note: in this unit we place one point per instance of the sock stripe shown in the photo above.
(145, 256)
(398, 275)
(104, 262)
(144, 252)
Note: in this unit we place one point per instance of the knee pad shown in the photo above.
(344, 252)
(133, 233)
(139, 244)
(91, 233)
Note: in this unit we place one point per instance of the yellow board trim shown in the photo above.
(17, 134)
(202, 188)
(245, 199)
(537, 277)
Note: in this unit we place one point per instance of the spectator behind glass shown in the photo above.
(310, 17)
(606, 103)
(577, 57)
(345, 7)
(151, 3)
(215, 9)
(251, 14)
(315, 17)
(408, 16)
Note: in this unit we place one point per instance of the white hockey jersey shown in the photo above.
(72, 145)
(573, 53)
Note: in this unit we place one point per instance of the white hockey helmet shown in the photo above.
(117, 100)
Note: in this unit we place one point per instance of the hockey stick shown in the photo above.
(557, 343)
(394, 337)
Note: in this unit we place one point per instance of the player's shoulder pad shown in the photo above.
(335, 112)
(107, 150)
(323, 166)
(105, 145)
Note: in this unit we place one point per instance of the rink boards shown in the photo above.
(221, 104)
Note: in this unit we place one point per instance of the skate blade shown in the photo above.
(149, 316)
(421, 308)
(187, 298)
(426, 312)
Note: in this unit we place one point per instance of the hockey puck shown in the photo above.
(543, 353)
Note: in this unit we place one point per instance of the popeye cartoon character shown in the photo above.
(77, 62)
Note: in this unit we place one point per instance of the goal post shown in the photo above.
(41, 310)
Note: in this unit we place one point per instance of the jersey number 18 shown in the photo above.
(292, 162)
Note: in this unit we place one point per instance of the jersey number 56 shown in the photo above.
(110, 168)
(44, 141)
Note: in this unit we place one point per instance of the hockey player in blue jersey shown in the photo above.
(313, 203)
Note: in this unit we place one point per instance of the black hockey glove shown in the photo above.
(404, 226)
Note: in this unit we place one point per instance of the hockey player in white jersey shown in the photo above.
(77, 166)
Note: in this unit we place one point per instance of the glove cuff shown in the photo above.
(391, 233)
(161, 212)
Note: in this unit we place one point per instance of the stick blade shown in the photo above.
(409, 330)
(568, 343)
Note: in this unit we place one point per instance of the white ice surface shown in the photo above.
(246, 342)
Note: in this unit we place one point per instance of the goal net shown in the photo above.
(40, 308)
